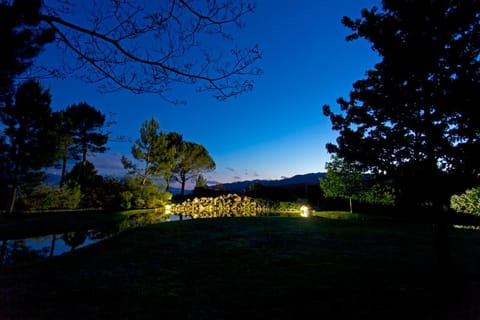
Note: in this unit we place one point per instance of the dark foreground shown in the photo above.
(253, 268)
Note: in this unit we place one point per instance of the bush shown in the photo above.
(140, 196)
(468, 202)
(51, 197)
(286, 207)
(379, 194)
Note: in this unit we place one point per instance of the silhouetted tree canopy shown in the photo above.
(415, 117)
(192, 159)
(139, 45)
(153, 150)
(174, 142)
(22, 35)
(87, 126)
(28, 139)
(64, 140)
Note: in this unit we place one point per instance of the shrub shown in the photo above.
(467, 202)
(51, 197)
(286, 206)
(140, 196)
(379, 194)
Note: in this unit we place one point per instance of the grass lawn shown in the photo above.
(253, 268)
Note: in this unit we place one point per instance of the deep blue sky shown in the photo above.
(275, 131)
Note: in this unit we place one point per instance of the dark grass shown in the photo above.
(253, 268)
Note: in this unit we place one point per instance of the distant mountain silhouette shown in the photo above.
(240, 186)
(297, 180)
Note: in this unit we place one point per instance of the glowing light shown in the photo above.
(167, 209)
(304, 211)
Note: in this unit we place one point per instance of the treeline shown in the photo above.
(35, 139)
(160, 158)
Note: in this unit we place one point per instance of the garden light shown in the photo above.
(304, 211)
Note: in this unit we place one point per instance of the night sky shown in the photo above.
(278, 129)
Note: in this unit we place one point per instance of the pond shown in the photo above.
(16, 251)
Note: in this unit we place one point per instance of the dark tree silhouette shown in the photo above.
(415, 118)
(83, 174)
(22, 35)
(4, 173)
(170, 158)
(64, 139)
(192, 159)
(146, 46)
(86, 128)
(201, 187)
(74, 239)
(29, 144)
(150, 149)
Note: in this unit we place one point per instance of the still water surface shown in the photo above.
(15, 251)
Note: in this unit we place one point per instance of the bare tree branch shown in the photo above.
(150, 47)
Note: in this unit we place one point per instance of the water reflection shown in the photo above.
(16, 251)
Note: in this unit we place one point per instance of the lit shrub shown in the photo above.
(467, 202)
(140, 196)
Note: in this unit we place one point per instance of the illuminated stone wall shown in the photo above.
(231, 205)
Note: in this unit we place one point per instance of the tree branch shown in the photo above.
(175, 39)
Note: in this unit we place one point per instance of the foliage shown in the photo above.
(83, 174)
(379, 194)
(191, 160)
(343, 180)
(86, 124)
(170, 158)
(108, 192)
(64, 140)
(94, 190)
(414, 119)
(201, 182)
(74, 238)
(28, 138)
(346, 181)
(22, 35)
(467, 202)
(47, 197)
(154, 150)
(285, 207)
(141, 196)
(166, 155)
(201, 187)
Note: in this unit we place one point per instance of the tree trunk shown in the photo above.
(3, 252)
(182, 193)
(145, 171)
(14, 199)
(64, 171)
(52, 246)
(350, 203)
(167, 181)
